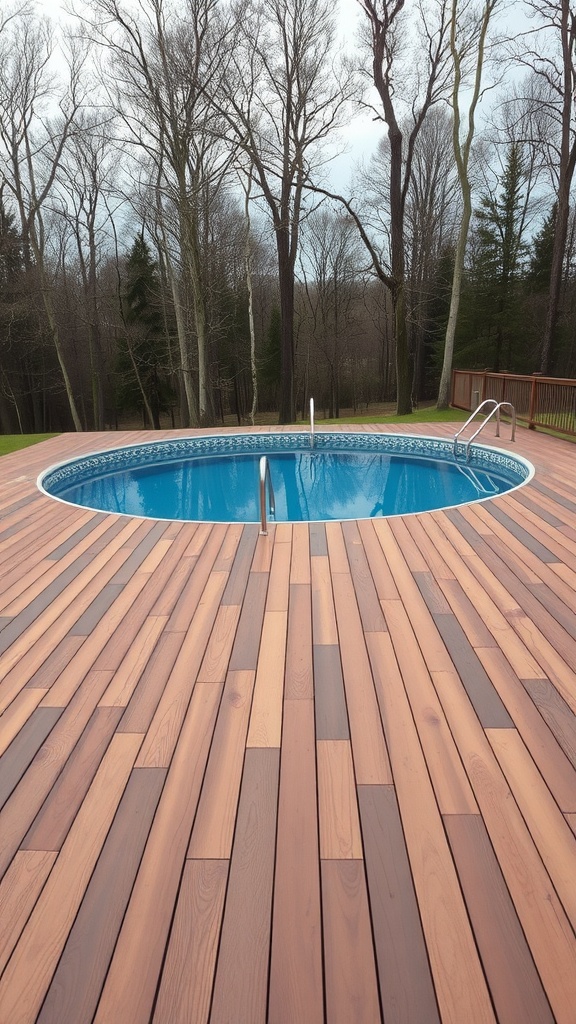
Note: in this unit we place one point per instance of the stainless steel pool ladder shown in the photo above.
(311, 422)
(265, 478)
(496, 407)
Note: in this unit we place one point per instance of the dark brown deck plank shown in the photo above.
(241, 982)
(364, 587)
(514, 982)
(406, 986)
(24, 748)
(329, 696)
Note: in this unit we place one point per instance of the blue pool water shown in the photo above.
(345, 476)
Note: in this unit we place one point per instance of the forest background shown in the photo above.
(181, 240)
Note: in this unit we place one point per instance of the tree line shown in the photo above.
(172, 249)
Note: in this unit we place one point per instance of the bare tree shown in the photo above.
(330, 268)
(550, 51)
(162, 62)
(82, 196)
(409, 81)
(468, 35)
(285, 95)
(37, 118)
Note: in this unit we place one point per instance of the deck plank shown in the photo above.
(273, 778)
(406, 986)
(351, 980)
(514, 982)
(188, 974)
(241, 981)
(296, 987)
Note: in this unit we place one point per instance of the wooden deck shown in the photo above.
(323, 776)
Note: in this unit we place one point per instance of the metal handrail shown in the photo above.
(311, 422)
(497, 406)
(265, 478)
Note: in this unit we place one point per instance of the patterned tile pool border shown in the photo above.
(55, 480)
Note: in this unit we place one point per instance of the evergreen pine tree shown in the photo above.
(497, 270)
(143, 359)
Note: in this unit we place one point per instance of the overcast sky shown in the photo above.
(360, 136)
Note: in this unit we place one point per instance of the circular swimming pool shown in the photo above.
(215, 478)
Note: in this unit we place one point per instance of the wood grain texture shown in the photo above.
(19, 891)
(559, 717)
(266, 713)
(554, 840)
(462, 993)
(540, 912)
(28, 974)
(241, 982)
(337, 805)
(370, 754)
(406, 986)
(75, 988)
(351, 980)
(296, 987)
(50, 827)
(451, 785)
(364, 586)
(558, 770)
(382, 804)
(323, 617)
(514, 983)
(131, 982)
(298, 671)
(216, 815)
(188, 975)
(329, 696)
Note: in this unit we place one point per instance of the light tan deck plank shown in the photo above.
(188, 974)
(216, 815)
(340, 837)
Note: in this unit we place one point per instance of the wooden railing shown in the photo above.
(548, 402)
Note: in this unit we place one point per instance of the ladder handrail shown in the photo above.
(487, 401)
(265, 478)
(311, 422)
(497, 406)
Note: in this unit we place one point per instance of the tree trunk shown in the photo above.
(444, 391)
(287, 411)
(556, 277)
(404, 367)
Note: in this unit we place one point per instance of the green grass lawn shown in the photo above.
(13, 442)
(430, 415)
